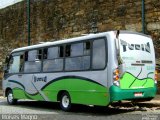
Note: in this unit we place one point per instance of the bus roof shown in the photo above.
(63, 41)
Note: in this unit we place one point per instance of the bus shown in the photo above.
(94, 69)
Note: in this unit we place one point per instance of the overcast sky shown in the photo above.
(5, 3)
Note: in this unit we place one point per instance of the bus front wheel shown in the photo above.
(10, 98)
(65, 101)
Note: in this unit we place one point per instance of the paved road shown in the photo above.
(33, 110)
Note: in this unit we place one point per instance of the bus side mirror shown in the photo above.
(5, 68)
(7, 59)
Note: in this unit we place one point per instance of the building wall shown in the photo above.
(58, 19)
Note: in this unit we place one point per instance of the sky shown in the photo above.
(5, 3)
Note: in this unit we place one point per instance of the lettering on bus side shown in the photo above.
(142, 47)
(40, 79)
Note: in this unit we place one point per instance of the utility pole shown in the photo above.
(143, 16)
(28, 21)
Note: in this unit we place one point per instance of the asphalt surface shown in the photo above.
(33, 110)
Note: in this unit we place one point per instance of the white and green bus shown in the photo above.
(95, 69)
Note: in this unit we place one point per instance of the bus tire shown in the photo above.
(10, 98)
(65, 101)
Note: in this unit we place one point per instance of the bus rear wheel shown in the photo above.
(10, 98)
(65, 101)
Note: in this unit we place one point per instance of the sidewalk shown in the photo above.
(157, 97)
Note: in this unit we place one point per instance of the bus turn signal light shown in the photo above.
(156, 76)
(116, 74)
(116, 77)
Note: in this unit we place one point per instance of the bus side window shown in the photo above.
(52, 53)
(99, 54)
(53, 60)
(61, 51)
(77, 60)
(45, 52)
(21, 63)
(32, 55)
(33, 61)
(87, 48)
(68, 50)
(26, 56)
(39, 55)
(77, 49)
(87, 55)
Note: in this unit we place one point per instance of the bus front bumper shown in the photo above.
(117, 94)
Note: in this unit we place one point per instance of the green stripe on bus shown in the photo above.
(21, 94)
(117, 93)
(81, 92)
(128, 81)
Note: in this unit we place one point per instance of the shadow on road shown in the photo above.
(116, 108)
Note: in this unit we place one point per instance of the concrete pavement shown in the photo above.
(157, 97)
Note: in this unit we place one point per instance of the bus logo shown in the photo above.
(142, 47)
(40, 79)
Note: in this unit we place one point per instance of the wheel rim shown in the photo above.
(10, 97)
(65, 101)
